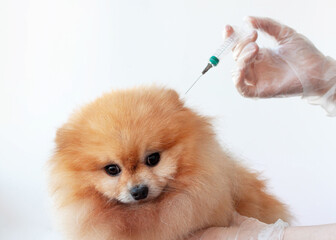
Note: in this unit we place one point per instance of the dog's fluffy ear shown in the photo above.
(60, 138)
(173, 95)
(65, 137)
(169, 95)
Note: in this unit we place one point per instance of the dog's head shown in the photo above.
(131, 146)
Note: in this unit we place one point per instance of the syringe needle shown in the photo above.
(224, 49)
(203, 72)
(193, 84)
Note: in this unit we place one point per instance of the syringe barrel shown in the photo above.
(228, 45)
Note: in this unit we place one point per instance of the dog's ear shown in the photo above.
(65, 137)
(173, 94)
(174, 97)
(60, 138)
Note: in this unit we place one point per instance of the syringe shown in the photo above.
(223, 49)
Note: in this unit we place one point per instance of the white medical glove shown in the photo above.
(244, 228)
(294, 68)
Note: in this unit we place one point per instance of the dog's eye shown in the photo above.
(112, 169)
(153, 159)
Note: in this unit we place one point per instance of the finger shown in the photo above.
(247, 55)
(218, 233)
(227, 31)
(237, 219)
(246, 88)
(197, 235)
(279, 31)
(241, 45)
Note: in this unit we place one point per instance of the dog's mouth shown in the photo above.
(152, 197)
(136, 203)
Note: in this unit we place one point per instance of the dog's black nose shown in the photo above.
(139, 192)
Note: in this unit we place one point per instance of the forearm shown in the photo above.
(320, 232)
(322, 90)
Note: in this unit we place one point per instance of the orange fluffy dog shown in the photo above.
(138, 164)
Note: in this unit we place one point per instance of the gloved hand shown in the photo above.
(243, 228)
(294, 68)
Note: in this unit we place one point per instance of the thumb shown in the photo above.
(273, 28)
(237, 219)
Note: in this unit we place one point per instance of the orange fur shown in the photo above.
(195, 185)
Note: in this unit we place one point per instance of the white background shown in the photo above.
(58, 55)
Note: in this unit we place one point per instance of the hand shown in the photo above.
(295, 67)
(243, 228)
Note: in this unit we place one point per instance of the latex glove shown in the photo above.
(294, 68)
(244, 228)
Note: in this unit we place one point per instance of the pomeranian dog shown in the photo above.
(138, 164)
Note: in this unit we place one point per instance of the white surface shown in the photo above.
(58, 55)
